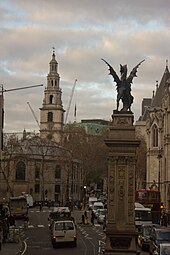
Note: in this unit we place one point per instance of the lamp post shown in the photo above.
(85, 193)
(159, 170)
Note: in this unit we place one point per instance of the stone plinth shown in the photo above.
(121, 231)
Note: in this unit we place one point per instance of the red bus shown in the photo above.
(152, 199)
(147, 197)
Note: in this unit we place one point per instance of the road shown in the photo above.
(36, 237)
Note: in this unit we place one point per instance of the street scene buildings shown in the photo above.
(42, 166)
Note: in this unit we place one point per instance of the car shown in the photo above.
(63, 232)
(59, 213)
(96, 206)
(158, 236)
(101, 215)
(144, 236)
(164, 249)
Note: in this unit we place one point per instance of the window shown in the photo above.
(59, 226)
(37, 188)
(57, 172)
(51, 99)
(50, 117)
(37, 171)
(20, 171)
(57, 188)
(155, 136)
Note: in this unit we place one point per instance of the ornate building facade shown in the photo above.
(154, 124)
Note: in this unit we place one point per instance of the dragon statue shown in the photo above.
(124, 85)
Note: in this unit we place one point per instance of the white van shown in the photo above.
(143, 215)
(92, 200)
(63, 231)
(97, 206)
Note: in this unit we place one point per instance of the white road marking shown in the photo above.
(30, 226)
(40, 226)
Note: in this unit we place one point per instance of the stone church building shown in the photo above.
(39, 165)
(154, 125)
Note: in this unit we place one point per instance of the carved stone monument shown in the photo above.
(120, 230)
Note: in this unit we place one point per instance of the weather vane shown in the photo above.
(124, 85)
(53, 49)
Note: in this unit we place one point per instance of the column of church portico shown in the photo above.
(120, 231)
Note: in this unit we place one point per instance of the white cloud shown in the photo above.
(82, 33)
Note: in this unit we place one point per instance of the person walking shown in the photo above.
(40, 206)
(85, 217)
(92, 217)
(26, 221)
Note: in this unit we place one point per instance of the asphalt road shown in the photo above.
(36, 237)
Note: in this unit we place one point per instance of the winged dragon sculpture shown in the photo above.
(123, 85)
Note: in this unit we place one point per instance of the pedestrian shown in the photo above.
(85, 213)
(85, 217)
(82, 217)
(26, 220)
(92, 217)
(164, 221)
(11, 220)
(40, 206)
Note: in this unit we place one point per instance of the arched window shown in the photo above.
(52, 82)
(20, 171)
(50, 117)
(155, 136)
(57, 172)
(51, 99)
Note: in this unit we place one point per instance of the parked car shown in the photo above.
(101, 214)
(159, 235)
(164, 249)
(144, 237)
(63, 232)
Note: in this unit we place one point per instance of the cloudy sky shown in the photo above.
(82, 32)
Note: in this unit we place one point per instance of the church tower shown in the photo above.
(52, 112)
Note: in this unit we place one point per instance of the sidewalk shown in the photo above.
(10, 248)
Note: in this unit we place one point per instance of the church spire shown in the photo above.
(52, 112)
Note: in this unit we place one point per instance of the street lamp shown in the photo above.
(159, 170)
(85, 194)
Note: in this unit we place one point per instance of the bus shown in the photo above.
(18, 206)
(150, 199)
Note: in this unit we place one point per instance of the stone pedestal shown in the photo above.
(121, 232)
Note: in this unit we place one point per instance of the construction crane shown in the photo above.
(71, 97)
(33, 113)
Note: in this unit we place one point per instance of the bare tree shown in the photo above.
(9, 147)
(91, 150)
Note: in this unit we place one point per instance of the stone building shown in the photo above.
(39, 165)
(154, 124)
